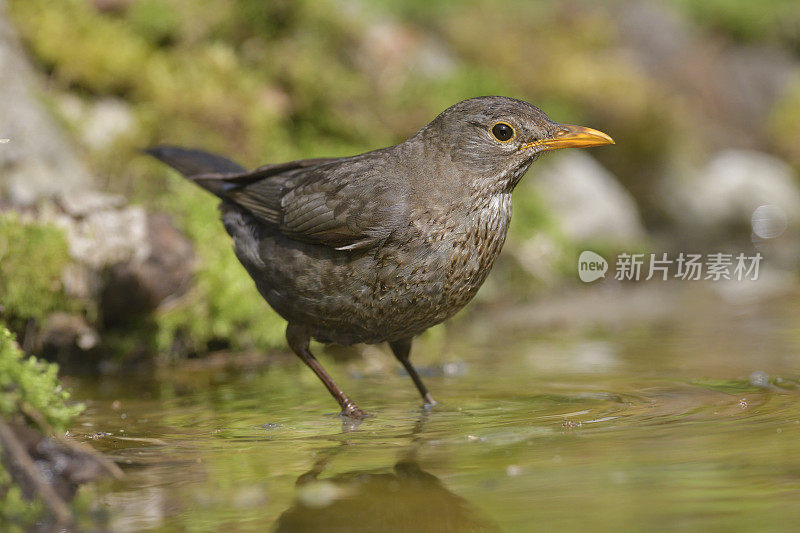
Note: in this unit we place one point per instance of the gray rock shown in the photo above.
(139, 286)
(79, 204)
(126, 260)
(66, 338)
(759, 378)
(100, 123)
(723, 197)
(100, 229)
(37, 160)
(587, 200)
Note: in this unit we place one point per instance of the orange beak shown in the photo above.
(569, 136)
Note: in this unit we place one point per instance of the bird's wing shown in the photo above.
(344, 203)
(223, 182)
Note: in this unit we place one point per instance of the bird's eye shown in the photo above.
(502, 132)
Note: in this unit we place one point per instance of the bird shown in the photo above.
(381, 246)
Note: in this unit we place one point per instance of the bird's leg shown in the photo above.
(298, 340)
(402, 349)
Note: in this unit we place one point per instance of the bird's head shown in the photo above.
(492, 140)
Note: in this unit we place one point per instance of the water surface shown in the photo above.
(682, 414)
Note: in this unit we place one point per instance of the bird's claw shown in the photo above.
(428, 401)
(354, 413)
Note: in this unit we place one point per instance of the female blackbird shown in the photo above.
(383, 245)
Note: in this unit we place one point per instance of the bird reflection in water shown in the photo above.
(406, 498)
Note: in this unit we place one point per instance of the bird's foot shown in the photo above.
(428, 401)
(352, 411)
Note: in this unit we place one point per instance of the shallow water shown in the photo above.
(685, 417)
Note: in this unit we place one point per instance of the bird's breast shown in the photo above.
(476, 246)
(450, 256)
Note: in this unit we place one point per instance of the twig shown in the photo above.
(18, 455)
(37, 418)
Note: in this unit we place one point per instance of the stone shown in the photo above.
(127, 260)
(139, 286)
(106, 234)
(588, 202)
(730, 194)
(79, 204)
(67, 338)
(37, 160)
(101, 123)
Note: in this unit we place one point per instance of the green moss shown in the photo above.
(32, 383)
(32, 261)
(157, 21)
(89, 51)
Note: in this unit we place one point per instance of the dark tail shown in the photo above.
(193, 162)
(203, 168)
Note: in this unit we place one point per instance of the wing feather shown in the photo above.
(344, 203)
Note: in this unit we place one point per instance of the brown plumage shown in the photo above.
(383, 245)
